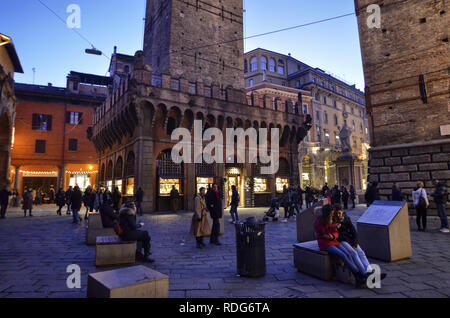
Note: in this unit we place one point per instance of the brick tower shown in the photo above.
(196, 39)
(406, 66)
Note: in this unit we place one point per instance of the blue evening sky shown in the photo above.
(45, 43)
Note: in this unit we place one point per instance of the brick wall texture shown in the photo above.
(407, 167)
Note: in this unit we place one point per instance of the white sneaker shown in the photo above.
(445, 231)
(283, 221)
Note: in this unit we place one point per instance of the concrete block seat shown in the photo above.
(112, 251)
(309, 259)
(130, 282)
(95, 229)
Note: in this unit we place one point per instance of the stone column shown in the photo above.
(16, 177)
(62, 177)
(144, 173)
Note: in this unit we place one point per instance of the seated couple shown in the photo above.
(336, 234)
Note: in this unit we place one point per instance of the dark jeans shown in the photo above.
(421, 216)
(25, 211)
(234, 213)
(3, 210)
(442, 215)
(59, 210)
(139, 208)
(345, 204)
(215, 231)
(354, 203)
(144, 238)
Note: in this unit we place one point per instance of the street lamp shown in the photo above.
(93, 51)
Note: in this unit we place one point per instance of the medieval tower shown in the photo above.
(406, 66)
(196, 40)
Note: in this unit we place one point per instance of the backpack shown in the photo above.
(118, 228)
(444, 195)
(422, 202)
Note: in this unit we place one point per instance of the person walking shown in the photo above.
(116, 197)
(300, 197)
(440, 196)
(308, 196)
(325, 189)
(353, 196)
(214, 205)
(86, 199)
(51, 194)
(76, 200)
(68, 199)
(285, 201)
(200, 227)
(421, 203)
(345, 197)
(139, 197)
(174, 199)
(397, 194)
(28, 202)
(336, 195)
(235, 199)
(4, 200)
(60, 200)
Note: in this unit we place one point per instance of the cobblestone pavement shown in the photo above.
(35, 252)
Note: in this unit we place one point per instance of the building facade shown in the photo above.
(9, 64)
(333, 103)
(406, 67)
(51, 146)
(167, 90)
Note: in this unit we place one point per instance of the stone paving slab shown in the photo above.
(37, 251)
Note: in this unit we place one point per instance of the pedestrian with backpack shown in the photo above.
(421, 203)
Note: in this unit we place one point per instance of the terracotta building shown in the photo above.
(168, 89)
(9, 64)
(51, 146)
(406, 66)
(333, 103)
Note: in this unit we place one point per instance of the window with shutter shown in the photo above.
(73, 145)
(40, 146)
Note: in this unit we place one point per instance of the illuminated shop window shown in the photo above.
(260, 185)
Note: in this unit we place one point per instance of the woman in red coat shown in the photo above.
(327, 234)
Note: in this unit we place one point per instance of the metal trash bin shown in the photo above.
(251, 248)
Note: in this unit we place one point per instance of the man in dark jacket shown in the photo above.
(174, 199)
(127, 220)
(68, 202)
(300, 197)
(440, 196)
(214, 205)
(336, 195)
(76, 200)
(28, 202)
(60, 200)
(139, 197)
(235, 199)
(353, 196)
(4, 199)
(308, 196)
(116, 197)
(325, 189)
(345, 197)
(397, 194)
(372, 193)
(107, 213)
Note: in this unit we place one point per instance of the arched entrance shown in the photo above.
(169, 174)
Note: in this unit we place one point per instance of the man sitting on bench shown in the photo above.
(127, 220)
(107, 212)
(327, 235)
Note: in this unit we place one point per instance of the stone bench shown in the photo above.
(95, 229)
(131, 282)
(112, 251)
(309, 259)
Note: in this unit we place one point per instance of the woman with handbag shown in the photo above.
(421, 203)
(200, 226)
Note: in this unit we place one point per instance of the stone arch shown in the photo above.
(284, 138)
(248, 124)
(130, 165)
(160, 116)
(118, 169)
(188, 119)
(210, 121)
(230, 122)
(220, 122)
(109, 171)
(238, 123)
